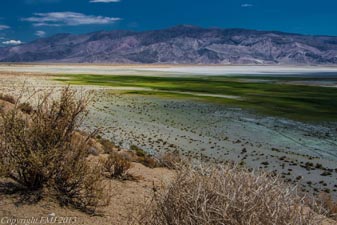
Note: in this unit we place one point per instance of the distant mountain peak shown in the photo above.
(184, 44)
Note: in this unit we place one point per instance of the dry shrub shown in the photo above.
(8, 98)
(148, 161)
(108, 146)
(37, 150)
(78, 184)
(226, 195)
(170, 160)
(143, 157)
(23, 163)
(139, 152)
(116, 166)
(328, 204)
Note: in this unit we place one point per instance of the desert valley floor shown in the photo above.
(246, 114)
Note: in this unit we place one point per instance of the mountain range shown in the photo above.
(184, 44)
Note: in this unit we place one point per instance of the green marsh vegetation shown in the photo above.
(270, 97)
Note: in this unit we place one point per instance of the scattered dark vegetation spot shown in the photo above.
(282, 158)
(309, 164)
(26, 107)
(326, 173)
(299, 178)
(276, 150)
(327, 190)
(265, 163)
(98, 137)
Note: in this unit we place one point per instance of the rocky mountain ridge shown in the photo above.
(183, 44)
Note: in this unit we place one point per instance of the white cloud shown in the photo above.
(103, 1)
(40, 33)
(246, 5)
(12, 42)
(4, 27)
(54, 19)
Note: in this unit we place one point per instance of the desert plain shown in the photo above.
(281, 119)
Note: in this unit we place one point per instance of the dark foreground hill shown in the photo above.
(178, 45)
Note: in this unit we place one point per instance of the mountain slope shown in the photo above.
(182, 44)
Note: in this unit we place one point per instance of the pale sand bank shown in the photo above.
(164, 69)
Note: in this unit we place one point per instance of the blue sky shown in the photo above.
(26, 20)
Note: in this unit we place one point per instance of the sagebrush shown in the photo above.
(38, 149)
(212, 195)
(116, 166)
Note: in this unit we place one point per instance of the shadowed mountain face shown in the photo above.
(181, 45)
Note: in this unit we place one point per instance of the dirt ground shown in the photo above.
(126, 199)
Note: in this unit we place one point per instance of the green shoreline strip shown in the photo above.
(270, 97)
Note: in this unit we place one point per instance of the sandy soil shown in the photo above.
(126, 199)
